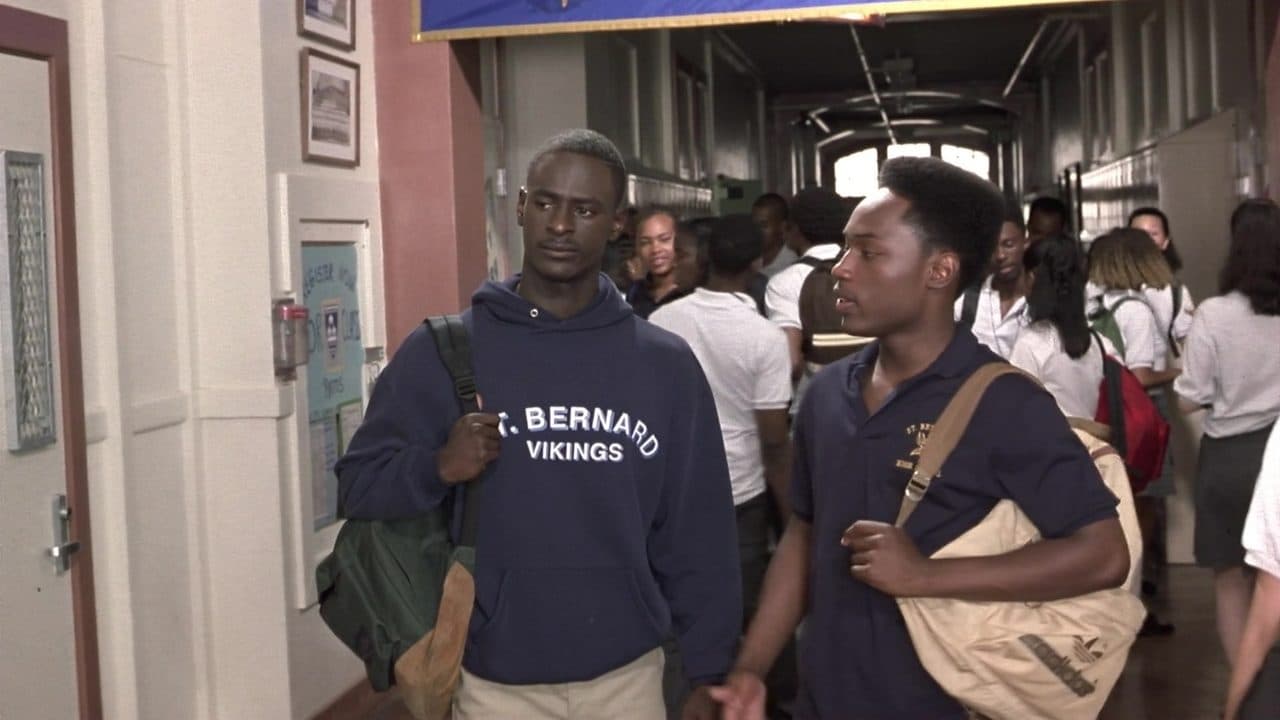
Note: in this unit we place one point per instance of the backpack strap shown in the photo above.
(969, 307)
(453, 343)
(947, 431)
(1111, 379)
(1109, 313)
(1176, 289)
(813, 262)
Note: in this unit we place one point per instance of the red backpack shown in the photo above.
(1139, 433)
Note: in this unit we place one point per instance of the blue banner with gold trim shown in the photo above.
(456, 19)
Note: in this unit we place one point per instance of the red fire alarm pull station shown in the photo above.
(290, 337)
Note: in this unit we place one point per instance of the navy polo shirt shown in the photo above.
(856, 658)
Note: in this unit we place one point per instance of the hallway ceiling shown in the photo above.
(946, 50)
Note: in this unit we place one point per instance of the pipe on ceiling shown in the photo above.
(871, 82)
(1026, 55)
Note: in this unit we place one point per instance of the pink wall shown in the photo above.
(431, 155)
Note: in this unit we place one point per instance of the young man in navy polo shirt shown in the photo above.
(909, 250)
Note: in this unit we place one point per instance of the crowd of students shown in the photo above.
(751, 482)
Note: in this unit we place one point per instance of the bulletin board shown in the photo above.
(328, 257)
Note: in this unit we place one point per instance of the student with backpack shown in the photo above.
(606, 516)
(1122, 264)
(841, 567)
(1058, 347)
(1230, 367)
(818, 216)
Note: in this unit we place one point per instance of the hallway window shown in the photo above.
(857, 174)
(975, 161)
(909, 150)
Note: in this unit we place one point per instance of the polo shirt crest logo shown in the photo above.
(919, 433)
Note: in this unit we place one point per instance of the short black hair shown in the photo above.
(1153, 211)
(950, 208)
(580, 141)
(820, 215)
(1049, 205)
(1171, 255)
(733, 243)
(775, 200)
(1253, 260)
(649, 212)
(1013, 214)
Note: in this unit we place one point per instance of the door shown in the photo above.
(48, 665)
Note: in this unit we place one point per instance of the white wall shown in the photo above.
(182, 114)
(320, 667)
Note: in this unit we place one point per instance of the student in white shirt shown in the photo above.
(1171, 304)
(1122, 263)
(1057, 346)
(1255, 672)
(772, 215)
(747, 365)
(1230, 366)
(999, 310)
(819, 216)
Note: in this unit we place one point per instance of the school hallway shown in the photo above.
(1181, 676)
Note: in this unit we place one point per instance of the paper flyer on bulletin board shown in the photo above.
(334, 366)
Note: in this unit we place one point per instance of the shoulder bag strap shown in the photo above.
(969, 306)
(453, 342)
(946, 433)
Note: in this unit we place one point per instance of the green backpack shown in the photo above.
(1103, 321)
(380, 589)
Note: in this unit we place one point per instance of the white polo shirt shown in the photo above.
(782, 296)
(1144, 343)
(1230, 364)
(785, 258)
(1073, 382)
(748, 365)
(1261, 538)
(1160, 300)
(996, 331)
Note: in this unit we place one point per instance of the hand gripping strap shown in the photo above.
(453, 342)
(946, 433)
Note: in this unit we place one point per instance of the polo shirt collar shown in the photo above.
(958, 359)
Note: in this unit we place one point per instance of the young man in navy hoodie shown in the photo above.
(909, 250)
(607, 517)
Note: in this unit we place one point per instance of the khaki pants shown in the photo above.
(632, 692)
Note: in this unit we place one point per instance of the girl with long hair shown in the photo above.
(1230, 367)
(1057, 346)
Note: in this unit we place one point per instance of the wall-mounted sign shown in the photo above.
(335, 365)
(456, 19)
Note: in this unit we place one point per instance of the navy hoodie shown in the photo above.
(607, 517)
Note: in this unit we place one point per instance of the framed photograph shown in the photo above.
(330, 21)
(330, 109)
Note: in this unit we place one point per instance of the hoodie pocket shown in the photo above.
(558, 625)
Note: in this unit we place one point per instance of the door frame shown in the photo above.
(44, 38)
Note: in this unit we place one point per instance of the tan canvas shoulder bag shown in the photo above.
(1016, 660)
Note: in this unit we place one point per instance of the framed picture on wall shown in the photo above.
(330, 21)
(330, 109)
